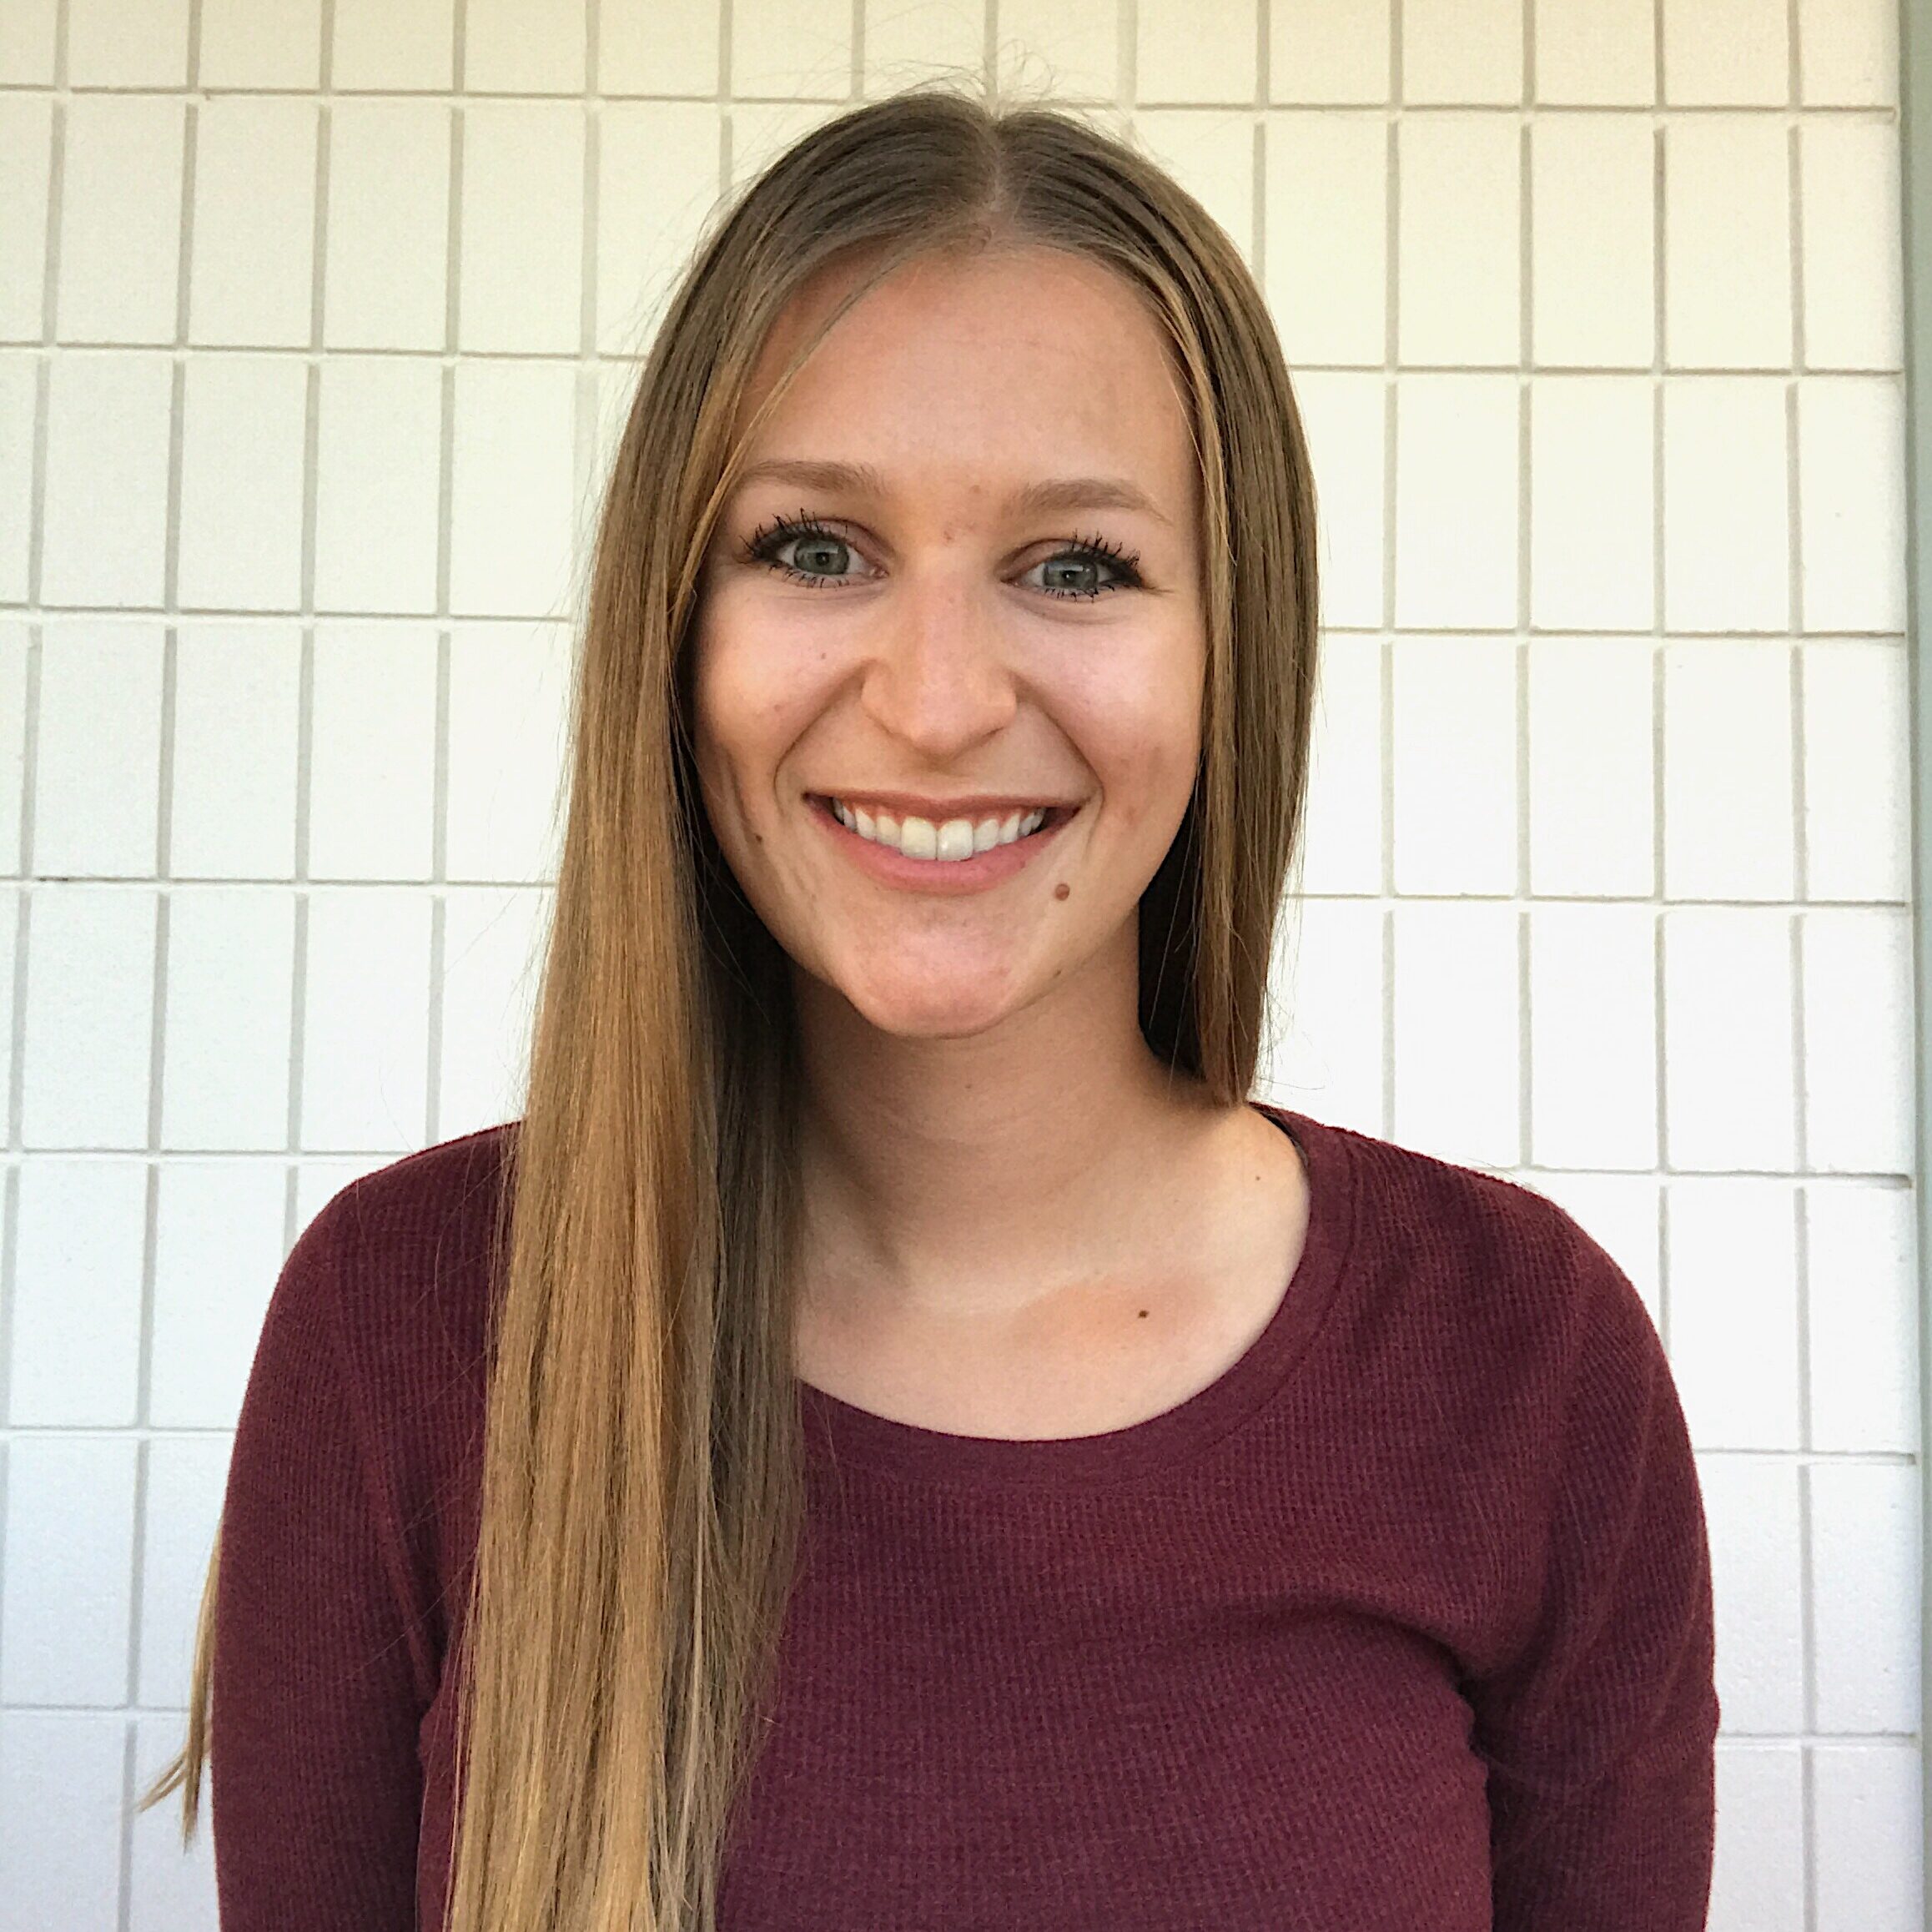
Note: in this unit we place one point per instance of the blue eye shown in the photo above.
(1085, 567)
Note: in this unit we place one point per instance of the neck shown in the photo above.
(977, 1176)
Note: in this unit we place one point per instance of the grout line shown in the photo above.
(1391, 406)
(269, 351)
(130, 1732)
(1525, 921)
(1870, 113)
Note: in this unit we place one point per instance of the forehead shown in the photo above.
(1009, 356)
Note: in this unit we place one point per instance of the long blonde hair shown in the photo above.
(642, 1487)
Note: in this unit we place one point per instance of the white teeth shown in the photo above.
(946, 844)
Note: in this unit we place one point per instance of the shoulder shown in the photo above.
(1470, 1270)
(401, 1261)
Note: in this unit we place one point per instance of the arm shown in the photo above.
(1599, 1733)
(317, 1689)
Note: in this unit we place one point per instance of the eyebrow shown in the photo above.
(1035, 499)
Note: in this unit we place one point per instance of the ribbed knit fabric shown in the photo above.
(1403, 1624)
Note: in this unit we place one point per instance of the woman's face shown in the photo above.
(957, 584)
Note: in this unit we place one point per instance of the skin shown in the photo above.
(1018, 1221)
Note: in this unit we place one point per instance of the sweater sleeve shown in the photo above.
(317, 1687)
(1599, 1733)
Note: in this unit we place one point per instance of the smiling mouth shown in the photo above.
(945, 841)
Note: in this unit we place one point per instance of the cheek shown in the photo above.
(1137, 717)
(745, 703)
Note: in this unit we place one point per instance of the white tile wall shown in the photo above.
(323, 321)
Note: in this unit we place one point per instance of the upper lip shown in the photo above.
(979, 805)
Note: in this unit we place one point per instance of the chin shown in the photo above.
(922, 1006)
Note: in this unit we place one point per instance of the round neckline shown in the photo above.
(850, 1436)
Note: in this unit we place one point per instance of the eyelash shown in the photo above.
(769, 537)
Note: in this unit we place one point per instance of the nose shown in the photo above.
(938, 679)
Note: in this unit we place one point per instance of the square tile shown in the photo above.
(509, 695)
(1592, 503)
(523, 46)
(1327, 1047)
(1865, 1581)
(27, 42)
(1848, 53)
(522, 238)
(1340, 847)
(1592, 758)
(394, 43)
(1456, 1048)
(1456, 481)
(69, 1560)
(1728, 823)
(1866, 1808)
(1857, 777)
(20, 374)
(25, 166)
(244, 430)
(79, 1245)
(1327, 257)
(1727, 228)
(1857, 964)
(1329, 51)
(1460, 246)
(98, 749)
(1593, 239)
(802, 49)
(659, 173)
(365, 1047)
(1731, 1249)
(513, 519)
(1851, 489)
(1462, 51)
(378, 484)
(1343, 419)
(61, 1776)
(1726, 509)
(662, 47)
(492, 957)
(1596, 53)
(1593, 1012)
(1179, 57)
(1854, 271)
(219, 1247)
(260, 43)
(1860, 1248)
(373, 756)
(251, 276)
(104, 537)
(1751, 1507)
(1758, 1883)
(186, 1476)
(110, 45)
(389, 223)
(1453, 754)
(1729, 1058)
(231, 958)
(120, 218)
(90, 992)
(237, 704)
(1725, 53)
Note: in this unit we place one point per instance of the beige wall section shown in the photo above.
(315, 317)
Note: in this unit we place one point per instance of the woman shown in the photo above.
(894, 1437)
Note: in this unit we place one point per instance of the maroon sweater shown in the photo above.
(1401, 1625)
